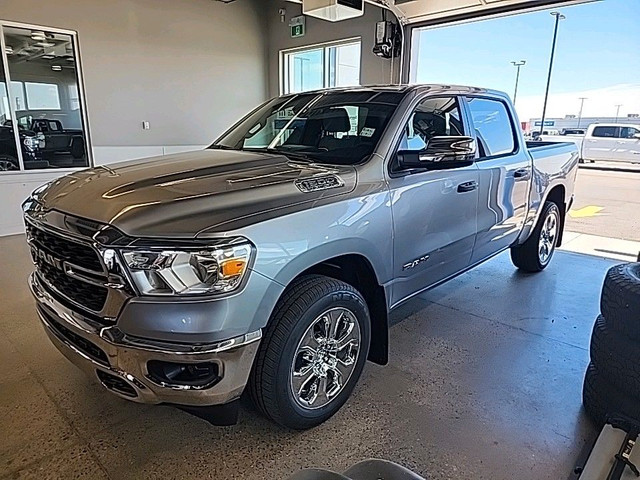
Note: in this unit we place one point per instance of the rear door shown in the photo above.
(505, 170)
(434, 211)
(601, 144)
(628, 149)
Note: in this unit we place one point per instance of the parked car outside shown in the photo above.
(609, 142)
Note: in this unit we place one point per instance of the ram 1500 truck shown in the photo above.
(270, 260)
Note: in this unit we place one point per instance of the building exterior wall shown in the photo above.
(560, 123)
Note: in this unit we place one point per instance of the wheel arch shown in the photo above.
(557, 195)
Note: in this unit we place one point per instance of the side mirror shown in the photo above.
(440, 153)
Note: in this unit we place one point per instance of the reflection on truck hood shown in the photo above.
(182, 195)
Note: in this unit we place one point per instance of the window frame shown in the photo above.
(283, 83)
(397, 141)
(516, 138)
(12, 107)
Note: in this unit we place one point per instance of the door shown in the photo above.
(601, 144)
(628, 149)
(434, 211)
(504, 172)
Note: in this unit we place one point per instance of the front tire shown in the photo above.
(535, 254)
(312, 354)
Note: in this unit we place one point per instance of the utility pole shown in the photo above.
(559, 17)
(582, 99)
(618, 111)
(517, 65)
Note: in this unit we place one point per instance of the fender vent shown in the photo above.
(319, 183)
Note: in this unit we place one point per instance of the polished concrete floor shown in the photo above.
(484, 382)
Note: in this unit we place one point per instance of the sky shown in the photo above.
(597, 56)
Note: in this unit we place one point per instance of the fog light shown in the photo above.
(198, 375)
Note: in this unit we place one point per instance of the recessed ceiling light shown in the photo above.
(37, 35)
(48, 56)
(8, 49)
(56, 68)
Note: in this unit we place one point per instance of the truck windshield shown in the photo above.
(339, 128)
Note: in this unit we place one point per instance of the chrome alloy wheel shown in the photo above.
(548, 236)
(325, 358)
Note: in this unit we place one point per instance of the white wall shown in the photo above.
(373, 69)
(189, 67)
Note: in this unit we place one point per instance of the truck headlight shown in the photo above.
(185, 272)
(31, 143)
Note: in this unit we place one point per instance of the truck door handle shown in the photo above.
(521, 173)
(467, 187)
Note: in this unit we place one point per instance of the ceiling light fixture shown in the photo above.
(8, 49)
(45, 44)
(48, 56)
(38, 35)
(56, 68)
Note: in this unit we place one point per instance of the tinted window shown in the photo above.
(610, 132)
(493, 126)
(434, 117)
(628, 132)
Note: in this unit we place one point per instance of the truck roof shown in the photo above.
(405, 88)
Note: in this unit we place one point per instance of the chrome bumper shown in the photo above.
(124, 359)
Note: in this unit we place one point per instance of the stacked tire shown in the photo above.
(612, 381)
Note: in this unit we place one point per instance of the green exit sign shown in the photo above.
(297, 26)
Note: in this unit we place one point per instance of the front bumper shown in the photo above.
(119, 362)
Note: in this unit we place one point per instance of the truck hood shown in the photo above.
(186, 194)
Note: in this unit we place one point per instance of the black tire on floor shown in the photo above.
(304, 301)
(617, 358)
(601, 399)
(77, 147)
(526, 256)
(620, 300)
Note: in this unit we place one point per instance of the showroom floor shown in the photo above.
(484, 382)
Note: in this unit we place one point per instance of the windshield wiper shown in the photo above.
(220, 147)
(293, 155)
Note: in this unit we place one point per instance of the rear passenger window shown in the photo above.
(493, 126)
(608, 132)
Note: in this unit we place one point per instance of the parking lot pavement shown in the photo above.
(607, 204)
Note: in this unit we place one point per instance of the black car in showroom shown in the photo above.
(29, 144)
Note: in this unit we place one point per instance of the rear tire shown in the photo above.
(535, 254)
(312, 354)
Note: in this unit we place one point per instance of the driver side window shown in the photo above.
(433, 117)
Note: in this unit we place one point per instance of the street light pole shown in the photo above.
(582, 99)
(559, 17)
(618, 112)
(517, 65)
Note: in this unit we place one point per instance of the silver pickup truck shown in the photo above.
(270, 260)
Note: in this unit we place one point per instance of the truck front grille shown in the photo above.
(88, 295)
(81, 343)
(52, 253)
(76, 253)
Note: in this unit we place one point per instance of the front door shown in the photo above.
(628, 149)
(601, 144)
(504, 177)
(434, 211)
